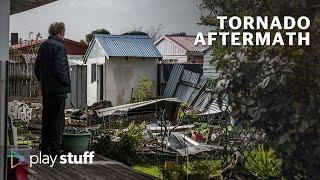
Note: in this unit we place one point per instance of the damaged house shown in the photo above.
(180, 49)
(115, 63)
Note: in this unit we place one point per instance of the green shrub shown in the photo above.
(197, 169)
(120, 146)
(263, 162)
(187, 115)
(143, 89)
(173, 171)
(204, 169)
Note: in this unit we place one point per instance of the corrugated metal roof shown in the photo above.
(128, 45)
(187, 42)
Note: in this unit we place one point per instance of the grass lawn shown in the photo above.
(151, 170)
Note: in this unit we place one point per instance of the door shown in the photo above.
(100, 82)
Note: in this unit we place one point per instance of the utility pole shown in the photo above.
(4, 57)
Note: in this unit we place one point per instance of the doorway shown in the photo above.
(100, 82)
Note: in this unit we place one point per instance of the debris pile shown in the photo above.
(76, 117)
(25, 112)
(138, 112)
(194, 90)
(31, 114)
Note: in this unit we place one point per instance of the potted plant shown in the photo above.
(76, 140)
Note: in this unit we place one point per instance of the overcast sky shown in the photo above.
(83, 16)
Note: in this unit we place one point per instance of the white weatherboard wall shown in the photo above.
(171, 51)
(121, 75)
(208, 69)
(96, 56)
(92, 91)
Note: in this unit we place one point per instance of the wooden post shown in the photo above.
(210, 131)
(4, 57)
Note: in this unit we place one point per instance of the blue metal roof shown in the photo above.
(128, 45)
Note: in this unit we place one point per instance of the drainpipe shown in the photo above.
(4, 57)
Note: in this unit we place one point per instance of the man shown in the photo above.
(52, 70)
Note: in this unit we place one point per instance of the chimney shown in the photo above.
(14, 38)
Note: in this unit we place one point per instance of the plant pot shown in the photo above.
(76, 143)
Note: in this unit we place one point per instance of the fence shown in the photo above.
(78, 97)
(23, 84)
(22, 81)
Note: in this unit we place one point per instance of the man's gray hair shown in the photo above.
(56, 27)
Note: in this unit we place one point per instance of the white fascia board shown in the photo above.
(103, 50)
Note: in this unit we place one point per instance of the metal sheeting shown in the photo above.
(186, 146)
(203, 101)
(190, 77)
(142, 111)
(214, 107)
(187, 85)
(128, 45)
(204, 95)
(202, 82)
(173, 81)
(78, 97)
(184, 92)
(123, 109)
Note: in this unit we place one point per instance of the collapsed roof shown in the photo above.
(192, 89)
(170, 105)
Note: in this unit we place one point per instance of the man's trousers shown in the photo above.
(53, 120)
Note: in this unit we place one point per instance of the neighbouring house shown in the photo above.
(22, 81)
(115, 63)
(181, 49)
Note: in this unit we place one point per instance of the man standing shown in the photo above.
(52, 70)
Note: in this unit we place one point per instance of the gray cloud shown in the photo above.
(83, 16)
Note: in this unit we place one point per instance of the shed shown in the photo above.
(115, 63)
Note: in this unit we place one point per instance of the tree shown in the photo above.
(275, 89)
(89, 36)
(83, 41)
(154, 31)
(136, 33)
(180, 34)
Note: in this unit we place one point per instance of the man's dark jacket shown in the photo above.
(51, 67)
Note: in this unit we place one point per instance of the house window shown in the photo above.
(93, 72)
(173, 60)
